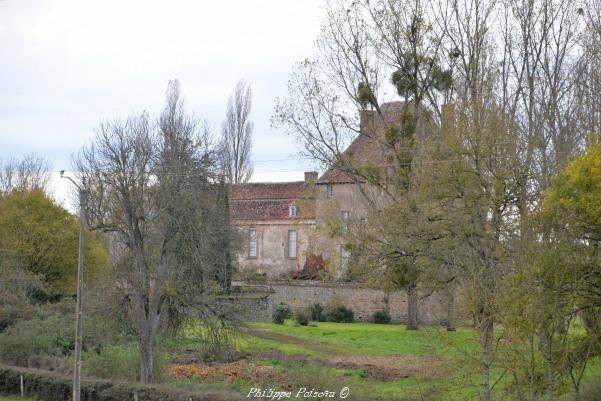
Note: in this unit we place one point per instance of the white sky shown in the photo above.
(66, 65)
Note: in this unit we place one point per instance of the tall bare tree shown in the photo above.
(28, 173)
(361, 44)
(236, 136)
(153, 186)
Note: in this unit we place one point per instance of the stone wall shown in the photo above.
(363, 301)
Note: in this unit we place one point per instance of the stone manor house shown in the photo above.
(279, 221)
(284, 236)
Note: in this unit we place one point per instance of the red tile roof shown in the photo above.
(368, 148)
(270, 201)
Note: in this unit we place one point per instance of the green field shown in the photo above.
(376, 362)
(370, 339)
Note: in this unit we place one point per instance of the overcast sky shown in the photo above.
(66, 65)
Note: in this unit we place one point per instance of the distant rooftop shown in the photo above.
(271, 200)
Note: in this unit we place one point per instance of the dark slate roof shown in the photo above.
(270, 201)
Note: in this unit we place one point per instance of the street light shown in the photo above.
(82, 222)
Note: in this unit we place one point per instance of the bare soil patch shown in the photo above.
(243, 370)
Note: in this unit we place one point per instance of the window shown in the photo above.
(330, 190)
(252, 243)
(345, 255)
(344, 215)
(292, 211)
(292, 244)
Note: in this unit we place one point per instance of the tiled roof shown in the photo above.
(270, 201)
(367, 148)
(269, 190)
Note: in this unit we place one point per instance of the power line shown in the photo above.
(408, 164)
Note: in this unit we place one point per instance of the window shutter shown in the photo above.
(292, 244)
(252, 243)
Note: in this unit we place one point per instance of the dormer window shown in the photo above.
(292, 211)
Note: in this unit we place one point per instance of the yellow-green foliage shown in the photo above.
(43, 238)
(365, 95)
(392, 135)
(577, 191)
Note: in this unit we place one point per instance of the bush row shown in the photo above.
(336, 313)
(47, 386)
(317, 313)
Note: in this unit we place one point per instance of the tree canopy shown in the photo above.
(41, 237)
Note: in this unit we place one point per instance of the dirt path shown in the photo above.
(288, 339)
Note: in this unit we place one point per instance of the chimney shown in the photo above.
(311, 176)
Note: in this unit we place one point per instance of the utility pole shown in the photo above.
(78, 303)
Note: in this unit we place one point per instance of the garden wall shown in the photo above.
(261, 298)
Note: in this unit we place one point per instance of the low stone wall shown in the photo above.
(261, 298)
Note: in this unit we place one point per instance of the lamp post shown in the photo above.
(78, 308)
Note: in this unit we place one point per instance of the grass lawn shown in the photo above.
(376, 362)
(373, 339)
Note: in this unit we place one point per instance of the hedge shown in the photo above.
(48, 386)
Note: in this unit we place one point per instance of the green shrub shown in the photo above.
(381, 317)
(218, 339)
(120, 361)
(47, 339)
(25, 341)
(342, 314)
(591, 390)
(282, 312)
(113, 362)
(301, 317)
(54, 363)
(20, 293)
(317, 313)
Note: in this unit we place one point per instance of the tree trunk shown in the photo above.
(148, 327)
(146, 360)
(487, 348)
(549, 360)
(449, 321)
(412, 323)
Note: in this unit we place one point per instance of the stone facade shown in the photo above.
(272, 242)
(275, 222)
(261, 210)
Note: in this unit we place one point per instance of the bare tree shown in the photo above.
(362, 43)
(25, 174)
(511, 89)
(236, 136)
(153, 187)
